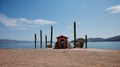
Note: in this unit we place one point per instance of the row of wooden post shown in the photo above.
(45, 38)
(52, 38)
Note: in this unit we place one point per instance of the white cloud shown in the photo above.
(23, 23)
(43, 22)
(23, 20)
(114, 9)
(8, 21)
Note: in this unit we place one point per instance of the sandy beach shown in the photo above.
(59, 58)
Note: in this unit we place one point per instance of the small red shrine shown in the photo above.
(62, 42)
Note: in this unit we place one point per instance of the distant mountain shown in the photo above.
(77, 40)
(115, 38)
(10, 40)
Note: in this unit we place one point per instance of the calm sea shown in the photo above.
(98, 45)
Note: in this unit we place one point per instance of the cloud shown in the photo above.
(43, 22)
(8, 21)
(114, 9)
(23, 23)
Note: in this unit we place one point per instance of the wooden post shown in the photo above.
(85, 41)
(40, 38)
(46, 41)
(35, 40)
(74, 34)
(51, 36)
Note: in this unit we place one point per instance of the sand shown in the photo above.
(59, 58)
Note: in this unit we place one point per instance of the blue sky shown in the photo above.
(20, 19)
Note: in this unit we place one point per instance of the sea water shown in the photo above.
(20, 45)
(98, 45)
(104, 45)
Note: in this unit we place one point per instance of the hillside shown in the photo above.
(115, 38)
(10, 40)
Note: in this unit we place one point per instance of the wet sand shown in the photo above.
(59, 58)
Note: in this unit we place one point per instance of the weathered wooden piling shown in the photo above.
(46, 41)
(85, 41)
(40, 38)
(51, 36)
(74, 34)
(35, 39)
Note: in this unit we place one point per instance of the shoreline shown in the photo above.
(66, 49)
(59, 57)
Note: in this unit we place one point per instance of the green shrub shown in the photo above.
(49, 46)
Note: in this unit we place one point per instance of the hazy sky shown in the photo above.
(20, 19)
